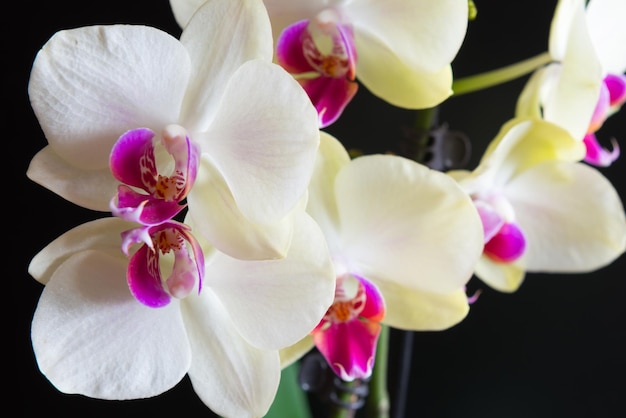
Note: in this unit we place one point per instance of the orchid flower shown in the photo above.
(256, 141)
(400, 50)
(90, 336)
(146, 126)
(586, 83)
(404, 241)
(542, 209)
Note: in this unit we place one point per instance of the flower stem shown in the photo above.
(500, 75)
(378, 399)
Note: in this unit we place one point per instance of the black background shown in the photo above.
(555, 348)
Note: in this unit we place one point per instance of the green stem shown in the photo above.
(337, 411)
(425, 120)
(500, 75)
(378, 398)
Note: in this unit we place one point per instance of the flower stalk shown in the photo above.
(500, 75)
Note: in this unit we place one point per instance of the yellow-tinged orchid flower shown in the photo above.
(400, 50)
(586, 83)
(404, 241)
(542, 209)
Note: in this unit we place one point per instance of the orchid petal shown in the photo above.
(322, 206)
(616, 85)
(291, 294)
(507, 245)
(575, 93)
(144, 280)
(504, 277)
(142, 208)
(399, 84)
(349, 347)
(571, 215)
(89, 188)
(84, 350)
(219, 220)
(285, 13)
(598, 156)
(90, 85)
(489, 217)
(605, 19)
(239, 31)
(102, 235)
(264, 140)
(412, 309)
(184, 9)
(405, 48)
(521, 144)
(289, 50)
(422, 34)
(538, 86)
(330, 96)
(229, 375)
(293, 353)
(394, 224)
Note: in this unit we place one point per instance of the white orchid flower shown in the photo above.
(400, 50)
(404, 241)
(586, 83)
(255, 130)
(542, 209)
(90, 336)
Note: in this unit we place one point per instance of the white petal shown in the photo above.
(407, 224)
(264, 140)
(216, 216)
(411, 309)
(90, 85)
(397, 83)
(102, 235)
(275, 303)
(504, 277)
(539, 85)
(91, 189)
(561, 26)
(184, 9)
(232, 377)
(405, 48)
(220, 37)
(571, 215)
(574, 95)
(421, 33)
(90, 336)
(521, 144)
(331, 158)
(293, 353)
(605, 19)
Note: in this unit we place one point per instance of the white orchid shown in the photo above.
(255, 129)
(400, 50)
(542, 209)
(586, 83)
(145, 125)
(90, 336)
(404, 241)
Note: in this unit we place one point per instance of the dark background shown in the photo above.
(555, 348)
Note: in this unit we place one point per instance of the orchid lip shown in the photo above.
(146, 195)
(146, 277)
(348, 333)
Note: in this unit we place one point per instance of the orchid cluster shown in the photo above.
(236, 235)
